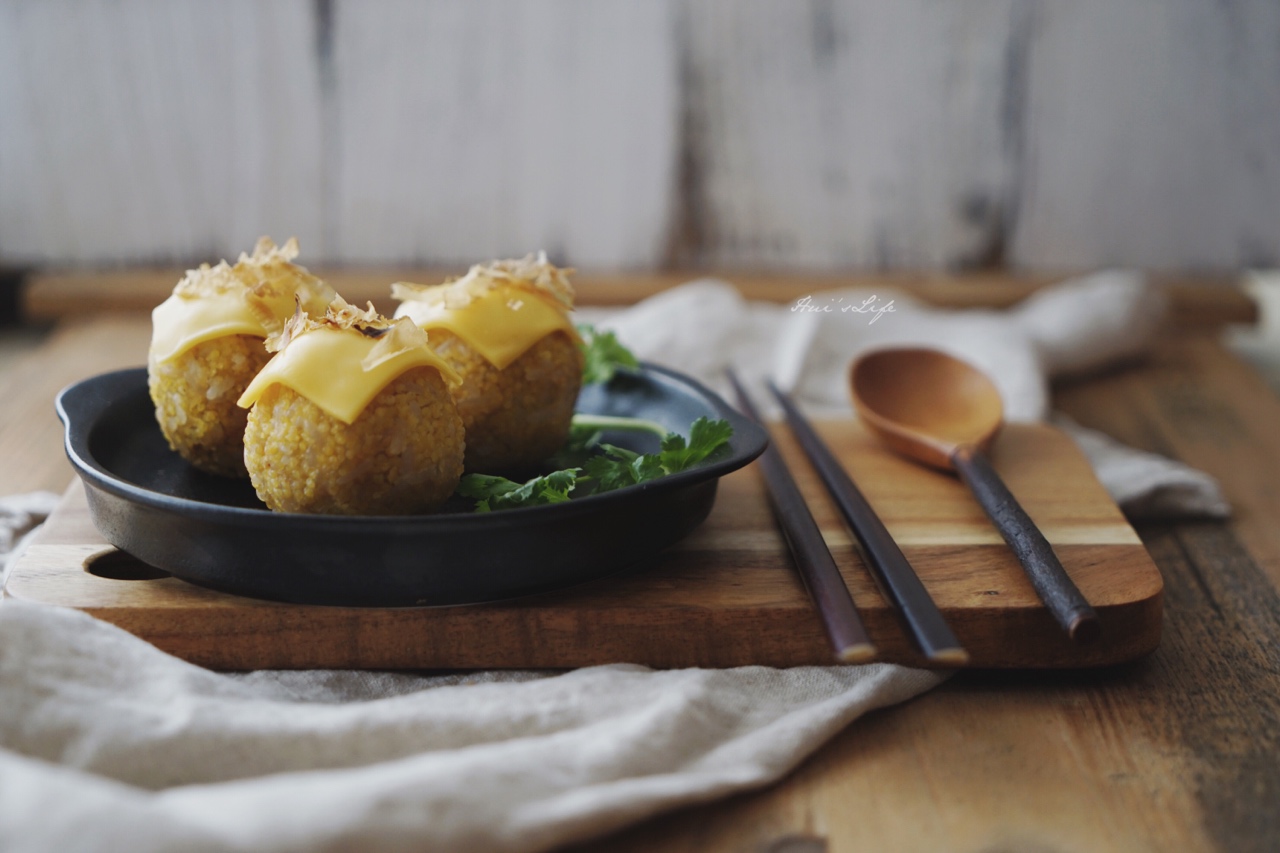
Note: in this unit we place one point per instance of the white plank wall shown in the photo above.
(1152, 135)
(825, 134)
(478, 129)
(137, 131)
(848, 134)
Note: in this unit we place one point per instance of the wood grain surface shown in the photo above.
(1175, 752)
(725, 596)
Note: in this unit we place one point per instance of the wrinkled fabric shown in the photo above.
(112, 745)
(19, 517)
(1088, 324)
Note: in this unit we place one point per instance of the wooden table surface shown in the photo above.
(1180, 751)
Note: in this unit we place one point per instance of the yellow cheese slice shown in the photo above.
(181, 322)
(501, 325)
(331, 368)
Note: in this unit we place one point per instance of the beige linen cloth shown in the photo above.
(108, 744)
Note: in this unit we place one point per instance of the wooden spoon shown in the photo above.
(943, 412)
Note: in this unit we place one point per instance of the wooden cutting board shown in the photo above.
(725, 596)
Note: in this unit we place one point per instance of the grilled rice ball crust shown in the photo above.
(195, 396)
(402, 455)
(518, 416)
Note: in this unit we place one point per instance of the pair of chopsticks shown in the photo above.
(894, 575)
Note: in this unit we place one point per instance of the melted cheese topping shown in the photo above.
(333, 369)
(180, 322)
(500, 325)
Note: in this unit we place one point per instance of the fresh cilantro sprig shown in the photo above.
(587, 431)
(492, 493)
(618, 467)
(705, 438)
(604, 355)
(611, 468)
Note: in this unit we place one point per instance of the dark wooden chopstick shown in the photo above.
(897, 579)
(809, 551)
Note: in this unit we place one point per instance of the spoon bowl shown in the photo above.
(924, 403)
(943, 412)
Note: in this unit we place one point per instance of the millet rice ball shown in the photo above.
(312, 447)
(207, 345)
(518, 416)
(195, 397)
(505, 328)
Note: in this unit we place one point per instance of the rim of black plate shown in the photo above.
(748, 441)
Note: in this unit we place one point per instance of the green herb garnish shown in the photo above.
(608, 469)
(618, 467)
(586, 432)
(705, 437)
(604, 355)
(493, 493)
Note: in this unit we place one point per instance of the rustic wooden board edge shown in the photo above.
(536, 634)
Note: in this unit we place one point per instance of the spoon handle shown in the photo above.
(1051, 582)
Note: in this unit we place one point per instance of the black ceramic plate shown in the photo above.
(213, 531)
